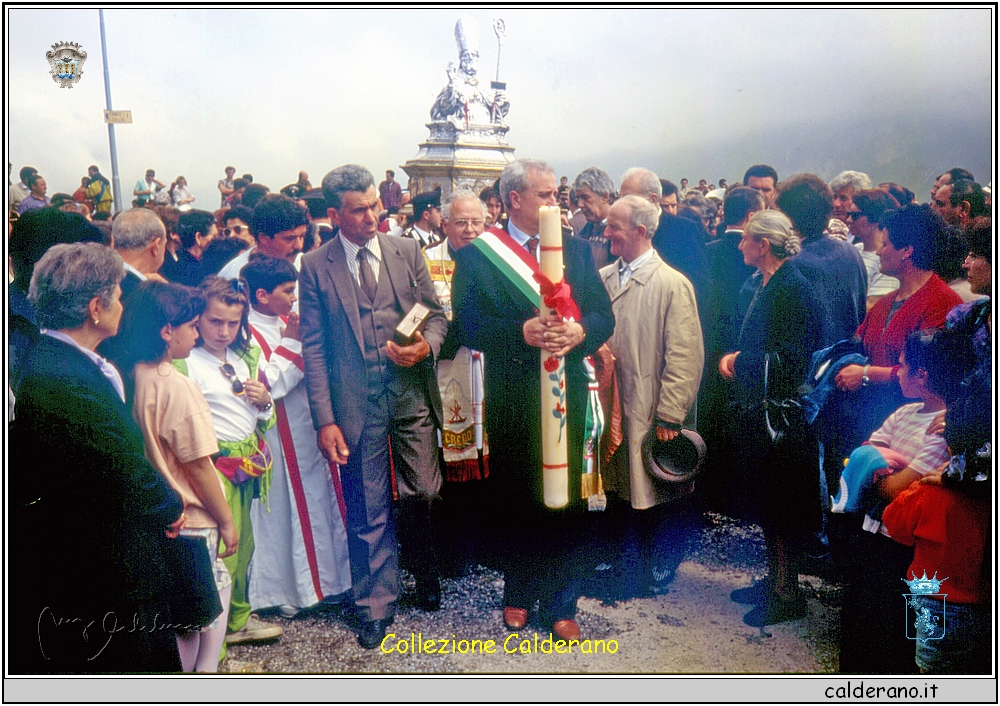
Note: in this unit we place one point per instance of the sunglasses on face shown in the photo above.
(235, 230)
(230, 372)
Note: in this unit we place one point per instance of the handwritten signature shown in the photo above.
(109, 627)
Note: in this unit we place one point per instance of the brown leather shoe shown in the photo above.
(566, 629)
(515, 618)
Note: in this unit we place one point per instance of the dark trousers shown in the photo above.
(873, 618)
(541, 553)
(460, 527)
(371, 528)
(418, 479)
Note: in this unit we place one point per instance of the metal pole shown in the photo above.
(115, 181)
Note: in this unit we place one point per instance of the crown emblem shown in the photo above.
(924, 586)
(66, 62)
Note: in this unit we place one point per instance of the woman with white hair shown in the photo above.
(89, 514)
(784, 324)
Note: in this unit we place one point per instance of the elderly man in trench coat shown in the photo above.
(659, 357)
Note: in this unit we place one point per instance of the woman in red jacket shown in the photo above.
(914, 236)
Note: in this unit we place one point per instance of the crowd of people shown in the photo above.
(289, 400)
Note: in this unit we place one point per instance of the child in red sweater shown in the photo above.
(945, 517)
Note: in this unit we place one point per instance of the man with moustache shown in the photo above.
(426, 219)
(540, 547)
(364, 387)
(279, 226)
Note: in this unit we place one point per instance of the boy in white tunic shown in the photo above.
(300, 534)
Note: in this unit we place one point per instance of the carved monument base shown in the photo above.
(470, 157)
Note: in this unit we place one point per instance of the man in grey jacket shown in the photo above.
(364, 387)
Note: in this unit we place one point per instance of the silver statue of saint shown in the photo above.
(463, 102)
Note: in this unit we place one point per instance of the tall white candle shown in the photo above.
(555, 431)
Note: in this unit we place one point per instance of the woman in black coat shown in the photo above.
(89, 515)
(783, 326)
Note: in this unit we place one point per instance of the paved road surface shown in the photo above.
(693, 628)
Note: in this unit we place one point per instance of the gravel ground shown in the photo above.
(693, 628)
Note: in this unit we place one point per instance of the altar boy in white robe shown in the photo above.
(300, 534)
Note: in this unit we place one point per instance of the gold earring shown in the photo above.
(96, 321)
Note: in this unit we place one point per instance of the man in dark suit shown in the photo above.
(725, 316)
(141, 239)
(678, 241)
(364, 387)
(595, 192)
(540, 547)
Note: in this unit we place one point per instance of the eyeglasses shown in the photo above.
(238, 230)
(230, 372)
(463, 224)
(855, 215)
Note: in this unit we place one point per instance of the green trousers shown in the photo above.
(239, 498)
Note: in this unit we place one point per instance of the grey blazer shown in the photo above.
(332, 341)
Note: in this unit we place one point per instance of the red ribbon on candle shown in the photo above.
(558, 296)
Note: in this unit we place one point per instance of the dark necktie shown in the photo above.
(532, 246)
(366, 275)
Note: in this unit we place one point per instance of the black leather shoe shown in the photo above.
(372, 632)
(428, 593)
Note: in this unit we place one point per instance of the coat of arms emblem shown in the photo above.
(66, 60)
(927, 624)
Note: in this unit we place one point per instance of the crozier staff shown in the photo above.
(495, 311)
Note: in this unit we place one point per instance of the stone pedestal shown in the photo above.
(456, 157)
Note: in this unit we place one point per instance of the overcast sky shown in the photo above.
(902, 94)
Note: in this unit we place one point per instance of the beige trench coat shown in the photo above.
(659, 358)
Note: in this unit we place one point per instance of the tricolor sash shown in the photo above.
(512, 261)
(515, 264)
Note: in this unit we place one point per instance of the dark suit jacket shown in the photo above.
(789, 317)
(88, 514)
(332, 340)
(489, 315)
(188, 270)
(682, 246)
(836, 270)
(113, 348)
(130, 282)
(728, 272)
(600, 248)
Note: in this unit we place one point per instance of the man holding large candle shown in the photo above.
(496, 301)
